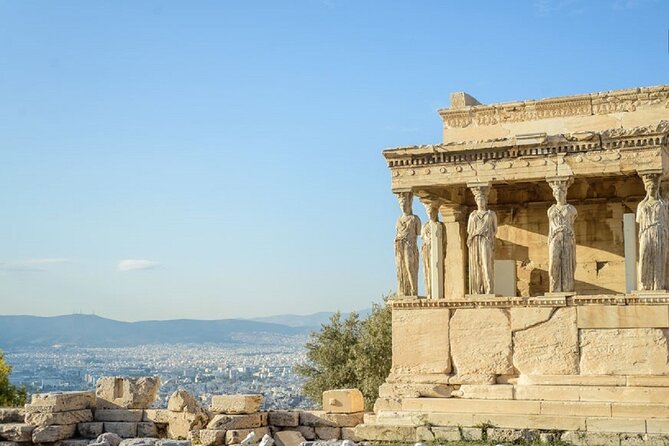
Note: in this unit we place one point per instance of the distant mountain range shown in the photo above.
(83, 330)
(313, 321)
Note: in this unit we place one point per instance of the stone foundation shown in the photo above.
(586, 367)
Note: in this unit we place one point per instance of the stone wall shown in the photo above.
(119, 413)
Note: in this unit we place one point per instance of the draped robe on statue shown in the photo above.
(481, 231)
(653, 219)
(561, 247)
(406, 254)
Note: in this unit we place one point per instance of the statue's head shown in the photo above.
(432, 210)
(559, 188)
(406, 201)
(651, 182)
(481, 196)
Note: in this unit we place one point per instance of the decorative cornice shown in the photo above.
(580, 105)
(519, 147)
(537, 301)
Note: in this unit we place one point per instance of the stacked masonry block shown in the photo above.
(232, 419)
(120, 407)
(342, 411)
(119, 412)
(55, 416)
(580, 370)
(13, 430)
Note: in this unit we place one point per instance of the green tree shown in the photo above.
(10, 395)
(374, 352)
(352, 353)
(330, 361)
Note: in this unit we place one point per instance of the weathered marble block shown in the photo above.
(481, 341)
(421, 341)
(235, 404)
(343, 401)
(126, 393)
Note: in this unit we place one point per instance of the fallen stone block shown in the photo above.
(173, 443)
(212, 437)
(61, 401)
(146, 429)
(121, 428)
(157, 415)
(51, 418)
(248, 421)
(126, 415)
(308, 432)
(19, 432)
(378, 432)
(139, 442)
(182, 401)
(328, 433)
(343, 401)
(11, 415)
(288, 438)
(284, 418)
(9, 443)
(109, 437)
(90, 430)
(318, 418)
(235, 404)
(127, 393)
(50, 434)
(180, 423)
(348, 433)
(235, 436)
(74, 442)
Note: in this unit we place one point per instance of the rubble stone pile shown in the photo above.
(120, 413)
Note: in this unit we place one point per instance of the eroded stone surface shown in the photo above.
(235, 404)
(481, 341)
(631, 351)
(424, 350)
(128, 393)
(343, 401)
(247, 421)
(549, 348)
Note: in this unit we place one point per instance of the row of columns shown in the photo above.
(652, 217)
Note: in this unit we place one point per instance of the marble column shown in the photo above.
(561, 239)
(432, 251)
(454, 218)
(481, 233)
(407, 230)
(652, 216)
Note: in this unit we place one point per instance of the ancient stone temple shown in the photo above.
(545, 303)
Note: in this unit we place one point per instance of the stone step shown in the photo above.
(594, 380)
(520, 407)
(524, 421)
(652, 395)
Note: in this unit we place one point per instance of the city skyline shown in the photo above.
(168, 160)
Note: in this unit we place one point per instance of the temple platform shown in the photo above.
(578, 366)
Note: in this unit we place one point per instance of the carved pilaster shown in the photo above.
(455, 274)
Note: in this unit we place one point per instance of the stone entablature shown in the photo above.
(538, 301)
(531, 158)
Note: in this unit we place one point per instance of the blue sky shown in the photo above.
(215, 159)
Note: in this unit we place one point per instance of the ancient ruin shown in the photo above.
(548, 324)
(120, 413)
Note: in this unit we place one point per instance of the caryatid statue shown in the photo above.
(481, 232)
(432, 251)
(561, 239)
(407, 229)
(652, 216)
